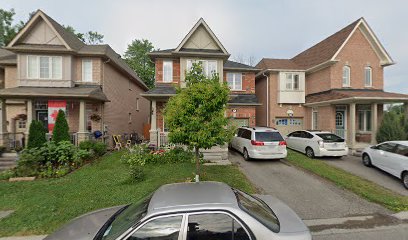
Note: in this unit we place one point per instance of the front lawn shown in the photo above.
(42, 206)
(360, 186)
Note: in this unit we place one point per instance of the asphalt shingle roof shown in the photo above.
(338, 94)
(243, 99)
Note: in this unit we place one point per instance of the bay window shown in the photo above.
(44, 67)
(168, 71)
(234, 81)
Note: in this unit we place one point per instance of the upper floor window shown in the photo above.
(368, 81)
(209, 66)
(44, 67)
(87, 70)
(292, 81)
(234, 81)
(168, 71)
(346, 76)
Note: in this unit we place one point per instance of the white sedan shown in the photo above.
(317, 143)
(391, 157)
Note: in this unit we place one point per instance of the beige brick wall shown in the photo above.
(122, 93)
(357, 54)
(96, 69)
(10, 76)
(11, 112)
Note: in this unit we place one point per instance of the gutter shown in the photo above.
(267, 98)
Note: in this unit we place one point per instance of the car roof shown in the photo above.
(260, 129)
(184, 196)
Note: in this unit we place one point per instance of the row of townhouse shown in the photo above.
(336, 85)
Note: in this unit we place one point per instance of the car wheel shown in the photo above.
(310, 152)
(405, 179)
(367, 160)
(246, 155)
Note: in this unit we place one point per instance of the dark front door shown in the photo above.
(42, 116)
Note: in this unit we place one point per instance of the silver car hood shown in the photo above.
(84, 227)
(288, 219)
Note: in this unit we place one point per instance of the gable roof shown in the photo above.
(326, 51)
(70, 40)
(231, 65)
(201, 22)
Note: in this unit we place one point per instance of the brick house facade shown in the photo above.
(339, 87)
(200, 44)
(45, 64)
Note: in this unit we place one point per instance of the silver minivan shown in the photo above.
(259, 143)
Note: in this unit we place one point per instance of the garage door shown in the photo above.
(288, 125)
(239, 122)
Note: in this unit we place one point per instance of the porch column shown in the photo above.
(82, 133)
(352, 137)
(3, 122)
(374, 121)
(30, 118)
(153, 127)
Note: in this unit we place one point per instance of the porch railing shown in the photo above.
(16, 140)
(162, 139)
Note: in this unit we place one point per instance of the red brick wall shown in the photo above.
(243, 112)
(159, 70)
(318, 81)
(248, 82)
(159, 114)
(326, 118)
(260, 86)
(357, 54)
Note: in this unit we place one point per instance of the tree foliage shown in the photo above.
(90, 37)
(393, 127)
(36, 135)
(8, 30)
(61, 129)
(196, 115)
(136, 57)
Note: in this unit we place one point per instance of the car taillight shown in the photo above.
(257, 143)
(282, 143)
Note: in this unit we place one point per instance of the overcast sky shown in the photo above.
(274, 29)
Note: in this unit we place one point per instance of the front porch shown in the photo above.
(354, 115)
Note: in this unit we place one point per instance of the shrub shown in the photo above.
(98, 148)
(36, 135)
(4, 175)
(391, 128)
(136, 172)
(61, 129)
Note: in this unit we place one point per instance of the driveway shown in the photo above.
(354, 165)
(310, 196)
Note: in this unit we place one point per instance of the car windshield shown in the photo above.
(268, 136)
(329, 137)
(126, 219)
(258, 209)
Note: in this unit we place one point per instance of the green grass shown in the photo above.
(44, 205)
(362, 187)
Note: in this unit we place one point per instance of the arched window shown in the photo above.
(368, 78)
(346, 76)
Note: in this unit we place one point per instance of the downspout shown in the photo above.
(267, 99)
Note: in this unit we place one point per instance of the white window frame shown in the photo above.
(346, 78)
(84, 61)
(235, 86)
(205, 64)
(171, 71)
(22, 124)
(315, 119)
(365, 120)
(368, 70)
(290, 81)
(38, 67)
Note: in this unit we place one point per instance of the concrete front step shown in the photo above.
(9, 155)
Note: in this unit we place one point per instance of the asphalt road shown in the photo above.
(354, 165)
(310, 196)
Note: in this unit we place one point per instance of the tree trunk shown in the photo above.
(197, 157)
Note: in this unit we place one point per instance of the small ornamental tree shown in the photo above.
(391, 128)
(196, 115)
(61, 129)
(36, 135)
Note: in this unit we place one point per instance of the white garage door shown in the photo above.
(288, 125)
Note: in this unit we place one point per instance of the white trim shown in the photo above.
(38, 14)
(374, 38)
(234, 87)
(84, 60)
(50, 67)
(315, 110)
(348, 84)
(201, 22)
(171, 69)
